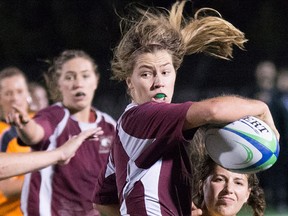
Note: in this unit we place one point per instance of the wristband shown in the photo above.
(24, 122)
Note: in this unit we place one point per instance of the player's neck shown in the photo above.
(86, 115)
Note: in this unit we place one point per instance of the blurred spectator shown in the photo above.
(265, 76)
(263, 87)
(266, 90)
(39, 97)
(13, 92)
(281, 122)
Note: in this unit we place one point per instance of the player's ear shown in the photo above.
(129, 83)
(248, 195)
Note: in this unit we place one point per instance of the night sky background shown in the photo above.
(33, 31)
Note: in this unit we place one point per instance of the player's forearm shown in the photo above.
(30, 133)
(12, 164)
(224, 109)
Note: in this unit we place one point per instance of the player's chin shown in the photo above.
(161, 100)
(80, 105)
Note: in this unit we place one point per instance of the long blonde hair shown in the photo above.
(156, 29)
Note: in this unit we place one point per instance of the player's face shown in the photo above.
(225, 192)
(153, 78)
(13, 91)
(77, 83)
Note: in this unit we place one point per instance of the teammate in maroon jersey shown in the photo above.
(66, 190)
(149, 165)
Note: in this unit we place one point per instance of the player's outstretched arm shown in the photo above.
(12, 164)
(27, 129)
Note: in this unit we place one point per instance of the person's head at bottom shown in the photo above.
(223, 193)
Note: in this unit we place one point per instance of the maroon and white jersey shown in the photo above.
(149, 158)
(67, 190)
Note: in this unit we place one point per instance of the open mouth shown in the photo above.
(160, 96)
(80, 94)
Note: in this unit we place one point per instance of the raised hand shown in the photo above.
(69, 148)
(195, 211)
(17, 117)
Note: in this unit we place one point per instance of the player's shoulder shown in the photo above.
(53, 111)
(103, 116)
(54, 107)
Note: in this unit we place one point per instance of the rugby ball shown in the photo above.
(247, 145)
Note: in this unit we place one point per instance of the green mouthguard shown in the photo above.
(160, 95)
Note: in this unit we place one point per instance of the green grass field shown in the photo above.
(269, 212)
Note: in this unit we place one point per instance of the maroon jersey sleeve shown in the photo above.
(161, 123)
(48, 118)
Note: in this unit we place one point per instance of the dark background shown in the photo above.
(33, 31)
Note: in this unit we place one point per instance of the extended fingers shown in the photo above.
(90, 134)
(16, 119)
(195, 211)
(98, 131)
(12, 118)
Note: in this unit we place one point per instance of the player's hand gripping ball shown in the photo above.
(247, 145)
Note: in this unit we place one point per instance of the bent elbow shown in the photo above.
(214, 112)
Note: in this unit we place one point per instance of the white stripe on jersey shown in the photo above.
(25, 194)
(110, 168)
(136, 145)
(45, 196)
(150, 181)
(151, 186)
(148, 177)
(134, 173)
(123, 209)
